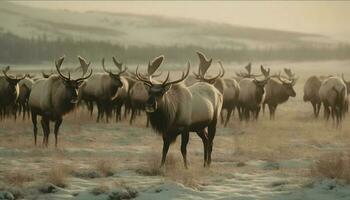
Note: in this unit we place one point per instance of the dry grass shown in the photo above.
(101, 189)
(58, 175)
(174, 170)
(105, 167)
(295, 134)
(333, 166)
(18, 178)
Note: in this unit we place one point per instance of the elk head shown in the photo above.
(46, 75)
(260, 84)
(71, 85)
(288, 85)
(156, 91)
(12, 81)
(115, 77)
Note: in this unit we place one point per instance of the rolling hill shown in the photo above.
(141, 30)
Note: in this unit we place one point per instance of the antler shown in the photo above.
(8, 77)
(183, 77)
(84, 65)
(117, 64)
(265, 72)
(141, 78)
(249, 68)
(204, 63)
(289, 73)
(283, 81)
(84, 78)
(342, 76)
(7, 68)
(222, 68)
(154, 65)
(103, 66)
(58, 64)
(110, 71)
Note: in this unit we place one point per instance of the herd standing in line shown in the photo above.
(192, 103)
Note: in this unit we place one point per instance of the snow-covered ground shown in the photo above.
(257, 160)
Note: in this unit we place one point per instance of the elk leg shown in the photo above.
(314, 106)
(204, 136)
(35, 127)
(333, 113)
(211, 135)
(46, 129)
(90, 106)
(229, 112)
(132, 117)
(263, 108)
(147, 123)
(166, 144)
(98, 112)
(257, 112)
(233, 110)
(184, 142)
(318, 108)
(326, 111)
(118, 113)
(240, 114)
(28, 111)
(57, 127)
(24, 110)
(222, 116)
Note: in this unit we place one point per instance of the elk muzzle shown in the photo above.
(74, 97)
(151, 105)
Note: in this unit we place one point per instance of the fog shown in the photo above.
(323, 17)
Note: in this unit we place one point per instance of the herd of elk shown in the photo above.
(192, 103)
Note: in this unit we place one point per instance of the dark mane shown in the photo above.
(65, 106)
(164, 117)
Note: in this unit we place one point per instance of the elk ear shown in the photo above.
(167, 88)
(81, 83)
(212, 81)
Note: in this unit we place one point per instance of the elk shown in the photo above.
(25, 87)
(102, 88)
(251, 97)
(52, 98)
(347, 83)
(227, 86)
(278, 90)
(138, 94)
(333, 93)
(311, 93)
(122, 93)
(9, 92)
(175, 109)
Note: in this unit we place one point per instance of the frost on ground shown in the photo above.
(256, 160)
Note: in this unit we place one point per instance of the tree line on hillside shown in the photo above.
(15, 50)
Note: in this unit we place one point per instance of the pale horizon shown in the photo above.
(325, 18)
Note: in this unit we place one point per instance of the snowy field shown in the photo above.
(256, 160)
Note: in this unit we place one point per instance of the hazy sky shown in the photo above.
(325, 17)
